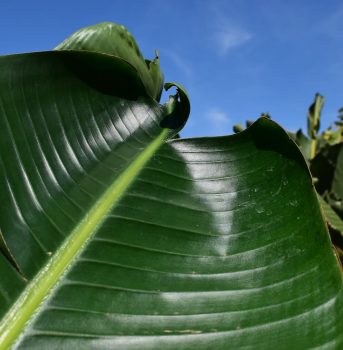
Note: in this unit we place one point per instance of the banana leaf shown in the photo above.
(115, 235)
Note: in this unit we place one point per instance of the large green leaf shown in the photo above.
(116, 238)
(54, 168)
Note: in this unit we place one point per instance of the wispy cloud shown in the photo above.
(228, 36)
(219, 122)
(227, 33)
(179, 62)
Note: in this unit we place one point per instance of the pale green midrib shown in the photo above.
(30, 300)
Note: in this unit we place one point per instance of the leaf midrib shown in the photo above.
(47, 279)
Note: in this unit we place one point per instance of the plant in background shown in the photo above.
(324, 155)
(116, 235)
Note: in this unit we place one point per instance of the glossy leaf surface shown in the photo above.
(114, 237)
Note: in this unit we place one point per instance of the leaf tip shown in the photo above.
(268, 135)
(177, 109)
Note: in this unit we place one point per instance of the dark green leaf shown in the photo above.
(313, 116)
(323, 167)
(116, 40)
(331, 217)
(336, 203)
(337, 184)
(121, 239)
(138, 243)
(304, 144)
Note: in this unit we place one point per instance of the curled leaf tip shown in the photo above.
(268, 135)
(177, 109)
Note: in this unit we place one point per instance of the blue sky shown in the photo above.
(237, 58)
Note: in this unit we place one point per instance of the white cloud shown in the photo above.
(228, 36)
(219, 122)
(227, 32)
